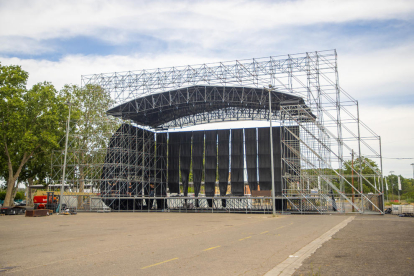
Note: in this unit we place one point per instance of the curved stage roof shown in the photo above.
(202, 104)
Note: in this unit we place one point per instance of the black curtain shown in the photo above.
(237, 164)
(173, 162)
(185, 159)
(123, 166)
(223, 160)
(251, 157)
(210, 162)
(265, 175)
(150, 141)
(161, 169)
(277, 161)
(210, 165)
(161, 187)
(197, 154)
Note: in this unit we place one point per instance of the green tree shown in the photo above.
(92, 126)
(407, 186)
(366, 171)
(32, 123)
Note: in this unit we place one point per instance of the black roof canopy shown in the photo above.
(158, 109)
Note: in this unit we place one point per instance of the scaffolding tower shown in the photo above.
(331, 140)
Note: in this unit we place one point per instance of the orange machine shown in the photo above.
(49, 201)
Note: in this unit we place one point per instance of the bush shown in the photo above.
(2, 195)
(19, 196)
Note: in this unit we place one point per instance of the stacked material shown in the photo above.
(403, 209)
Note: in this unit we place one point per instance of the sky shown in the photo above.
(58, 41)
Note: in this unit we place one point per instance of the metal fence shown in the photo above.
(317, 204)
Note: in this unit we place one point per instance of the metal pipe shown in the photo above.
(382, 177)
(64, 161)
(360, 160)
(271, 151)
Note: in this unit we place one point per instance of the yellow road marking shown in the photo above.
(245, 238)
(283, 226)
(264, 232)
(211, 248)
(159, 263)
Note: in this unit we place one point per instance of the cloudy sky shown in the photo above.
(59, 41)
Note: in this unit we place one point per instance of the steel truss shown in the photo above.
(313, 159)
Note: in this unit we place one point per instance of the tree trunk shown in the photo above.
(29, 199)
(11, 181)
(10, 187)
(16, 188)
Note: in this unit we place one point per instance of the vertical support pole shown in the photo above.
(271, 153)
(143, 170)
(382, 178)
(352, 173)
(339, 126)
(64, 161)
(360, 161)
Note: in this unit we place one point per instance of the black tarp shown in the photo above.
(123, 167)
(161, 168)
(237, 164)
(277, 159)
(161, 165)
(197, 154)
(210, 164)
(185, 159)
(223, 160)
(174, 162)
(150, 154)
(265, 177)
(251, 157)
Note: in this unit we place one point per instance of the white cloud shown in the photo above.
(70, 68)
(378, 73)
(394, 125)
(175, 19)
(23, 45)
(210, 31)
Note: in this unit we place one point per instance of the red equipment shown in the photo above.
(50, 199)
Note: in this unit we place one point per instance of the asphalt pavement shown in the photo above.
(368, 245)
(154, 243)
(206, 244)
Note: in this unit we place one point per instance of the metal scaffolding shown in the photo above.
(320, 127)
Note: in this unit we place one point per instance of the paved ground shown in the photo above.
(154, 244)
(368, 245)
(203, 244)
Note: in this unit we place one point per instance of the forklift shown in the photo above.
(51, 202)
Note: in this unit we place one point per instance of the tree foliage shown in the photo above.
(365, 170)
(32, 124)
(92, 126)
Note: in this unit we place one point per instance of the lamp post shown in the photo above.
(64, 161)
(270, 89)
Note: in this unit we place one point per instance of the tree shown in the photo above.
(365, 170)
(36, 170)
(91, 128)
(407, 186)
(32, 123)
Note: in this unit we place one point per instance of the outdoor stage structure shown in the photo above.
(152, 162)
